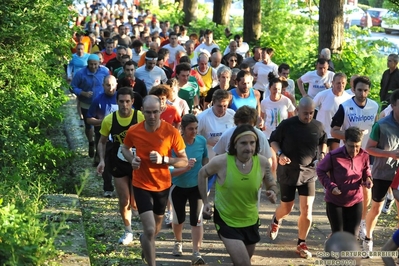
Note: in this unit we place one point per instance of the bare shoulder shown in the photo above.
(219, 160)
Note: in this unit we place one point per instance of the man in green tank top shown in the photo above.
(240, 174)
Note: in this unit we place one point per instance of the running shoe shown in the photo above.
(303, 251)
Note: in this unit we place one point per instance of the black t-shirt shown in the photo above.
(299, 142)
(113, 64)
(208, 97)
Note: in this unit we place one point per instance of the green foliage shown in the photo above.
(34, 42)
(23, 237)
(169, 12)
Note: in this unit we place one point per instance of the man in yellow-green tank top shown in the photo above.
(240, 174)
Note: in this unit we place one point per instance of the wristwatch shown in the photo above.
(165, 160)
(279, 153)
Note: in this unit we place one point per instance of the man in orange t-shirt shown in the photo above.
(154, 141)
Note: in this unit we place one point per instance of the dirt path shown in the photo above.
(103, 225)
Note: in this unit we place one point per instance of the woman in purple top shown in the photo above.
(342, 172)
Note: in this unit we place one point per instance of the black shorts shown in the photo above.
(287, 192)
(120, 168)
(84, 114)
(380, 189)
(330, 141)
(151, 200)
(249, 235)
(179, 197)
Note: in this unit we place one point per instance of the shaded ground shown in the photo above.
(103, 226)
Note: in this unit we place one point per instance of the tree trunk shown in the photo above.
(181, 4)
(221, 12)
(252, 23)
(331, 25)
(190, 8)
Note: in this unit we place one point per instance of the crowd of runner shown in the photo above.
(169, 114)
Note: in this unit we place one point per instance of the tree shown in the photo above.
(331, 25)
(190, 9)
(221, 10)
(252, 21)
(181, 3)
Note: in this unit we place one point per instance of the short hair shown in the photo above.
(189, 42)
(163, 51)
(208, 31)
(185, 59)
(283, 66)
(246, 115)
(160, 90)
(214, 50)
(137, 43)
(354, 134)
(321, 61)
(223, 69)
(237, 36)
(362, 79)
(326, 53)
(244, 66)
(161, 57)
(151, 54)
(121, 47)
(220, 95)
(242, 74)
(254, 49)
(172, 33)
(125, 91)
(241, 129)
(182, 67)
(172, 82)
(394, 97)
(394, 57)
(188, 119)
(129, 63)
(340, 75)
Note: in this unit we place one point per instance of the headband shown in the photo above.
(244, 134)
(151, 58)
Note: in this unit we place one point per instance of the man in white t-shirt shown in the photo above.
(151, 74)
(242, 47)
(261, 72)
(327, 103)
(215, 120)
(208, 45)
(318, 80)
(173, 47)
(360, 112)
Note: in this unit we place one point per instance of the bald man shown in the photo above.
(154, 140)
(299, 143)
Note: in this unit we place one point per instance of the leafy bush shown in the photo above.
(34, 42)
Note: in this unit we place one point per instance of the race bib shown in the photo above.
(120, 154)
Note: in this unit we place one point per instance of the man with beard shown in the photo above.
(116, 62)
(87, 84)
(116, 124)
(240, 173)
(361, 112)
(129, 80)
(244, 94)
(150, 73)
